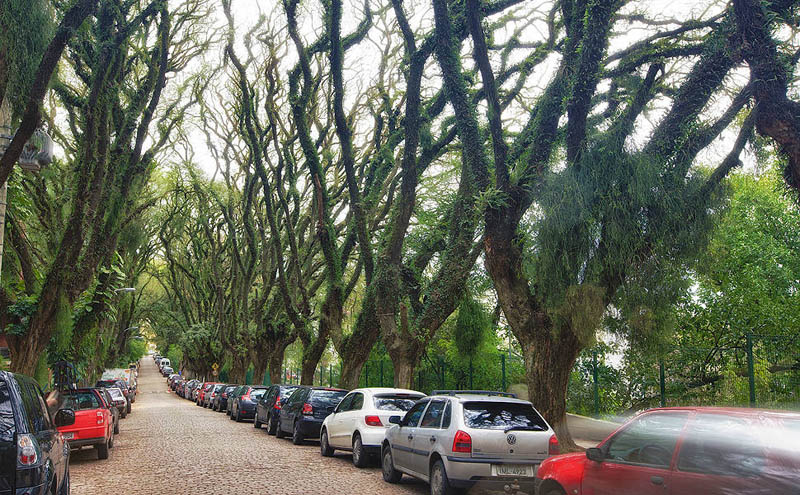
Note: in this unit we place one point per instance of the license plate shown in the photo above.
(68, 436)
(512, 470)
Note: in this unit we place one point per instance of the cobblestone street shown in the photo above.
(168, 445)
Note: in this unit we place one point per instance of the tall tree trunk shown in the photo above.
(275, 367)
(238, 369)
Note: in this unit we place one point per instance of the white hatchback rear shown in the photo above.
(358, 424)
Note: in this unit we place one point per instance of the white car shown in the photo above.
(359, 422)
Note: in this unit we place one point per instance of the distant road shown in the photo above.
(588, 432)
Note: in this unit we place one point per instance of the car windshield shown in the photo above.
(502, 415)
(116, 393)
(6, 414)
(395, 402)
(81, 401)
(327, 398)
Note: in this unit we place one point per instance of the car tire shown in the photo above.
(297, 437)
(440, 484)
(554, 491)
(102, 451)
(238, 415)
(128, 407)
(279, 430)
(325, 448)
(390, 474)
(116, 428)
(360, 456)
(124, 413)
(256, 422)
(65, 483)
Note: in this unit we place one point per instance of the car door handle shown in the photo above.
(411, 437)
(657, 480)
(432, 439)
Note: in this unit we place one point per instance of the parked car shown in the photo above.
(302, 415)
(119, 401)
(221, 400)
(179, 387)
(164, 363)
(237, 392)
(93, 421)
(713, 451)
(120, 384)
(269, 407)
(244, 404)
(212, 394)
(115, 416)
(358, 424)
(202, 391)
(454, 439)
(166, 371)
(34, 458)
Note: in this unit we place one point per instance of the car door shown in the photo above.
(335, 422)
(402, 446)
(40, 424)
(350, 419)
(426, 436)
(722, 454)
(50, 435)
(638, 458)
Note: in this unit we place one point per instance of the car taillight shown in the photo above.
(373, 421)
(27, 451)
(246, 396)
(224, 396)
(552, 446)
(462, 443)
(100, 418)
(277, 404)
(307, 409)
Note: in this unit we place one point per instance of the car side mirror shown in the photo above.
(65, 417)
(595, 454)
(395, 420)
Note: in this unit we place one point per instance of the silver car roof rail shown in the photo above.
(492, 393)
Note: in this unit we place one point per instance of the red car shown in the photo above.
(205, 387)
(676, 451)
(94, 423)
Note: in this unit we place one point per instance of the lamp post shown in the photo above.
(38, 152)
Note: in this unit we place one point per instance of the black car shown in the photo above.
(244, 403)
(302, 415)
(220, 402)
(34, 459)
(112, 406)
(269, 407)
(237, 392)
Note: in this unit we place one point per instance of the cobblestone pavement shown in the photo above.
(168, 445)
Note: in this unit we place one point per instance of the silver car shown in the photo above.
(456, 439)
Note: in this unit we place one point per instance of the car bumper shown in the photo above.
(372, 438)
(465, 472)
(31, 490)
(310, 428)
(83, 442)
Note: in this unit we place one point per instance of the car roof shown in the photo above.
(727, 410)
(388, 390)
(473, 397)
(329, 388)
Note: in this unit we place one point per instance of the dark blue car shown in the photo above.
(244, 402)
(34, 458)
(306, 409)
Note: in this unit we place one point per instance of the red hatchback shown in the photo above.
(94, 423)
(685, 451)
(204, 388)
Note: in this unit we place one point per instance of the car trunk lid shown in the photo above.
(506, 430)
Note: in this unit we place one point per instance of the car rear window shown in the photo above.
(116, 393)
(7, 426)
(501, 415)
(257, 393)
(287, 391)
(327, 398)
(395, 402)
(81, 401)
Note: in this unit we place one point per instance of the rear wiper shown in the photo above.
(523, 428)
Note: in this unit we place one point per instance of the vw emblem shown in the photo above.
(511, 439)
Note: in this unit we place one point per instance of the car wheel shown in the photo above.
(440, 485)
(324, 447)
(102, 451)
(128, 407)
(65, 483)
(116, 428)
(297, 437)
(554, 491)
(124, 414)
(390, 474)
(256, 422)
(238, 415)
(278, 430)
(360, 457)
